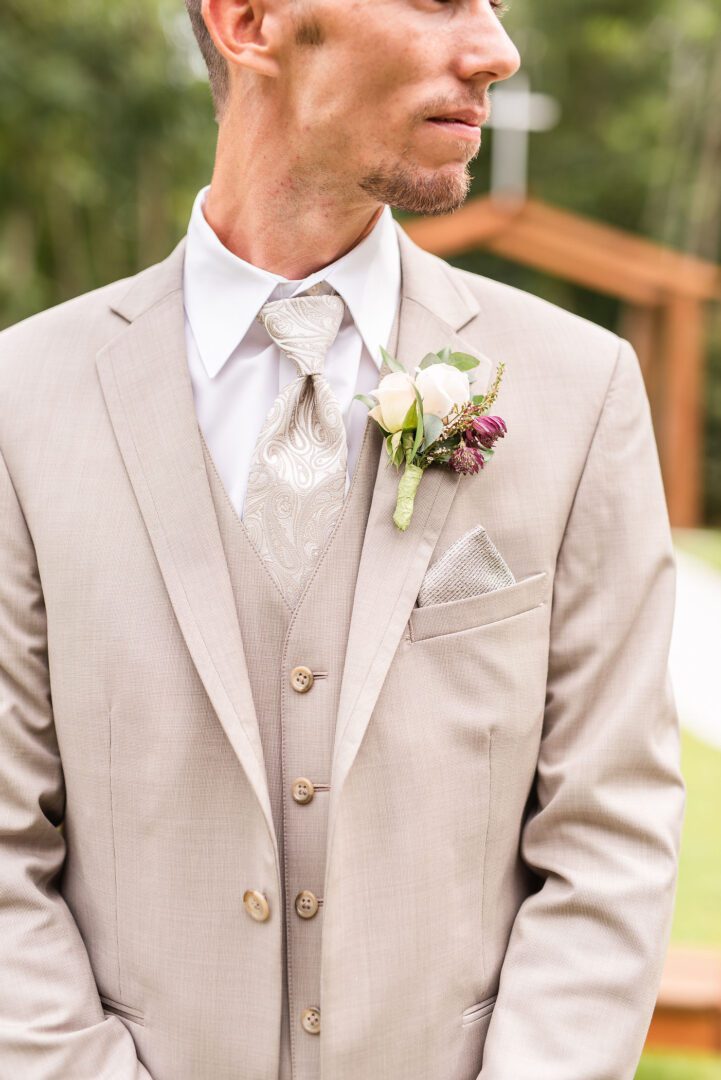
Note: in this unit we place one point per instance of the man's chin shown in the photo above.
(431, 193)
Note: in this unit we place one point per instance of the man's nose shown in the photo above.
(488, 50)
(508, 58)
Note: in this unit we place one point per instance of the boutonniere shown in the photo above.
(432, 418)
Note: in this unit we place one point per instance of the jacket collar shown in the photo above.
(223, 293)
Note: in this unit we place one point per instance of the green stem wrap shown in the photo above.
(407, 488)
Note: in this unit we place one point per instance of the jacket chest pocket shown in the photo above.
(455, 616)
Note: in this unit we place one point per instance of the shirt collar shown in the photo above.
(223, 293)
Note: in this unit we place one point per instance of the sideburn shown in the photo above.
(308, 30)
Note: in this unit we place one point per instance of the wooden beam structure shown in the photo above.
(688, 1009)
(664, 292)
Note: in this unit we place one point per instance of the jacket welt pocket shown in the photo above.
(478, 1011)
(119, 1009)
(435, 620)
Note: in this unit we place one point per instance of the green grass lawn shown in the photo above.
(657, 1067)
(698, 904)
(697, 918)
(703, 543)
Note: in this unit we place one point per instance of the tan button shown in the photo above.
(306, 904)
(303, 790)
(256, 905)
(310, 1019)
(301, 679)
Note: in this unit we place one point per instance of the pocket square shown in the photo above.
(471, 565)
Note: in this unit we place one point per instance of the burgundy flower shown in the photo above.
(484, 430)
(466, 459)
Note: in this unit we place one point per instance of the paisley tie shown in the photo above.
(296, 483)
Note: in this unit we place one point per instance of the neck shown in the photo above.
(265, 211)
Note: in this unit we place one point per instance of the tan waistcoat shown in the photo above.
(297, 726)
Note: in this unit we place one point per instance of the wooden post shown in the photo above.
(640, 324)
(681, 434)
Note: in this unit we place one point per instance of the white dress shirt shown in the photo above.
(237, 371)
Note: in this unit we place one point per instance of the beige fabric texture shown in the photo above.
(497, 848)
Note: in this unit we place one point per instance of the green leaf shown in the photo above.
(429, 359)
(368, 401)
(478, 399)
(433, 426)
(393, 364)
(421, 424)
(463, 361)
(394, 448)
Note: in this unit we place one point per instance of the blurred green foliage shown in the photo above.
(638, 145)
(107, 132)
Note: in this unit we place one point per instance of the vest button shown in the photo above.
(301, 679)
(303, 790)
(256, 905)
(310, 1019)
(306, 904)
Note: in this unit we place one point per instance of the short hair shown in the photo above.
(215, 63)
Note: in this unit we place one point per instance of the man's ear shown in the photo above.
(244, 33)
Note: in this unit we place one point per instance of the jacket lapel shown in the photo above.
(434, 305)
(146, 383)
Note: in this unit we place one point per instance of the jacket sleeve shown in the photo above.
(584, 960)
(52, 1025)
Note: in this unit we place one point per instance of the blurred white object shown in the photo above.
(695, 659)
(515, 113)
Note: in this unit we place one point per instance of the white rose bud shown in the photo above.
(442, 386)
(395, 395)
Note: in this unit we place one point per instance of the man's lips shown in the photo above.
(472, 117)
(458, 128)
(456, 123)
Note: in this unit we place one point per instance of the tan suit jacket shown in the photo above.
(505, 802)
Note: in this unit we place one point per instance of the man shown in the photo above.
(337, 800)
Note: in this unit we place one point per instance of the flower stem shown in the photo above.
(407, 488)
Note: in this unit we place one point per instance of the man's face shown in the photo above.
(361, 78)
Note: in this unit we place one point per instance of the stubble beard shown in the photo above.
(406, 189)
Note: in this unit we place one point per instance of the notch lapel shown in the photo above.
(146, 384)
(434, 305)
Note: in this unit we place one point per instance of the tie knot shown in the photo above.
(305, 326)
